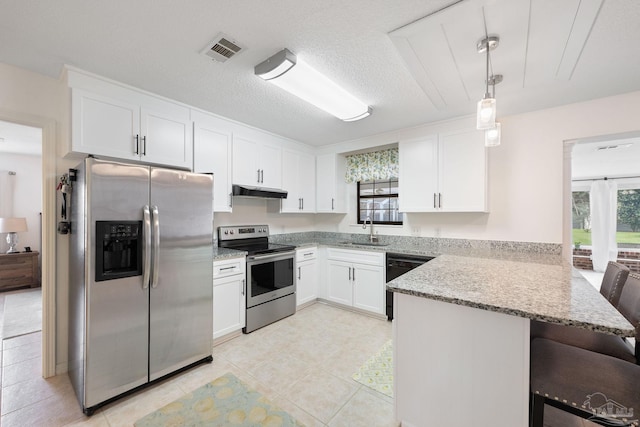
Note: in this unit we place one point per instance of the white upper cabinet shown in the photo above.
(331, 189)
(298, 179)
(463, 171)
(108, 119)
(418, 174)
(256, 163)
(212, 145)
(444, 173)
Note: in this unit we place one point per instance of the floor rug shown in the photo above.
(225, 401)
(377, 372)
(22, 313)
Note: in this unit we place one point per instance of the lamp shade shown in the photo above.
(13, 225)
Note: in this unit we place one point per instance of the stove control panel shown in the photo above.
(242, 232)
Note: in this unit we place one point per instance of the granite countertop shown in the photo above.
(540, 291)
(224, 253)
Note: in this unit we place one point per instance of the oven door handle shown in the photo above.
(276, 256)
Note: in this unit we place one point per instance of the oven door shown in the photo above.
(269, 277)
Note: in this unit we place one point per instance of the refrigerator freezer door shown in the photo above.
(181, 314)
(116, 328)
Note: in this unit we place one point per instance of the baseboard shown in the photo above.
(353, 309)
(227, 337)
(62, 368)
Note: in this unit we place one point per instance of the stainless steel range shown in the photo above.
(271, 282)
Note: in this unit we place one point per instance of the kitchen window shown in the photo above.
(378, 200)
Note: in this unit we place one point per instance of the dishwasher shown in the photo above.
(397, 265)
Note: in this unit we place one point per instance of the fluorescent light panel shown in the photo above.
(300, 79)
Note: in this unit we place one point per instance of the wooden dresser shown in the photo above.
(19, 270)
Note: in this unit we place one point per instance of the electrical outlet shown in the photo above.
(415, 231)
(437, 232)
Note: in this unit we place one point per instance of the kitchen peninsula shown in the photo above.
(461, 333)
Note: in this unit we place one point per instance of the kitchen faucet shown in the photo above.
(372, 238)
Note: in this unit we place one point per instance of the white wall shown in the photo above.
(27, 196)
(35, 100)
(262, 211)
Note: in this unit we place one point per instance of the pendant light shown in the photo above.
(492, 134)
(486, 114)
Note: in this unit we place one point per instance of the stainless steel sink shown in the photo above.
(364, 243)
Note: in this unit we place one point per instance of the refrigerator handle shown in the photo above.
(146, 249)
(156, 246)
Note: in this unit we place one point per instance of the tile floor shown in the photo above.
(303, 363)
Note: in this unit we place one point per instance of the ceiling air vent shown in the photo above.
(222, 48)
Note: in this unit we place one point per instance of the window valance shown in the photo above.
(375, 165)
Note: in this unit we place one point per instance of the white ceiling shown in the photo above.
(551, 53)
(614, 157)
(18, 139)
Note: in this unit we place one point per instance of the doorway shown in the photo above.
(21, 199)
(605, 203)
(47, 257)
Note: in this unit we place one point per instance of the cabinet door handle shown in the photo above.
(137, 150)
(354, 274)
(144, 145)
(258, 176)
(332, 203)
(302, 203)
(434, 200)
(349, 273)
(299, 272)
(261, 176)
(244, 283)
(439, 200)
(230, 200)
(228, 268)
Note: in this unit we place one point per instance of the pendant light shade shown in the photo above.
(492, 136)
(486, 115)
(295, 76)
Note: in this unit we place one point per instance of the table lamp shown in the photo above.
(12, 226)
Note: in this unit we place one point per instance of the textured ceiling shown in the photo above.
(155, 45)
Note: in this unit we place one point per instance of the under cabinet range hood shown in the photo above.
(261, 192)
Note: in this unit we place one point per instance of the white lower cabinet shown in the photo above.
(307, 275)
(356, 279)
(229, 289)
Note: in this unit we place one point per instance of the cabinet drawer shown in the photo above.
(229, 267)
(306, 253)
(360, 257)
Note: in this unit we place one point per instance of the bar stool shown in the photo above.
(587, 383)
(613, 284)
(590, 385)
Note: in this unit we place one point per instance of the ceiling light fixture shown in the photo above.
(295, 76)
(486, 113)
(486, 116)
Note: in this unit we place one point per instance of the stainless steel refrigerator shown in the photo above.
(141, 276)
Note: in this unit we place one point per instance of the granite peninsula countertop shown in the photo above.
(540, 291)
